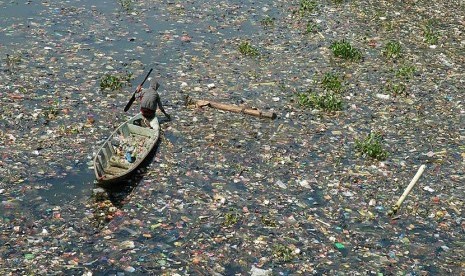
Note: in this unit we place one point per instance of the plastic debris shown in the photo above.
(255, 271)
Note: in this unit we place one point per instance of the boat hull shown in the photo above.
(124, 151)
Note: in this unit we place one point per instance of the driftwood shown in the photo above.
(231, 108)
(396, 206)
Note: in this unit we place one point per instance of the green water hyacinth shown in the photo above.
(343, 49)
(392, 50)
(371, 146)
(246, 49)
(114, 82)
(331, 82)
(328, 101)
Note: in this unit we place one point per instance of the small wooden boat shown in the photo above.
(123, 152)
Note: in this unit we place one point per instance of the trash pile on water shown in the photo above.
(230, 194)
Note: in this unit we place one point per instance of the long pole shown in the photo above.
(399, 202)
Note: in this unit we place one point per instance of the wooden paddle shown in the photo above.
(133, 98)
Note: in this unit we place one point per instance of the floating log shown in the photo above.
(396, 206)
(231, 108)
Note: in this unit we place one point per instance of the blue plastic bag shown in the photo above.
(129, 157)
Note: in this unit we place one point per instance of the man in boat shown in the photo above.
(149, 101)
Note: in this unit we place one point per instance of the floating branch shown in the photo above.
(231, 108)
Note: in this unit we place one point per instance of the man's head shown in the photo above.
(154, 84)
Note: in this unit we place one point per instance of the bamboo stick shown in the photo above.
(232, 108)
(399, 202)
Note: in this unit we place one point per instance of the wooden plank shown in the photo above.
(125, 130)
(106, 153)
(100, 169)
(100, 160)
(110, 149)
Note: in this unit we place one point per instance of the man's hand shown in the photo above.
(139, 88)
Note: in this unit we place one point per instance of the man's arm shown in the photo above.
(162, 109)
(138, 90)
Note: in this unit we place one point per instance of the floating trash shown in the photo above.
(225, 193)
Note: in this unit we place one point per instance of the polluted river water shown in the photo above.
(365, 94)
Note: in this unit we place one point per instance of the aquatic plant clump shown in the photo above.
(331, 82)
(230, 219)
(282, 253)
(51, 112)
(311, 27)
(306, 6)
(246, 49)
(430, 34)
(328, 101)
(268, 221)
(267, 21)
(114, 82)
(371, 146)
(406, 71)
(396, 89)
(126, 5)
(13, 59)
(392, 50)
(343, 49)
